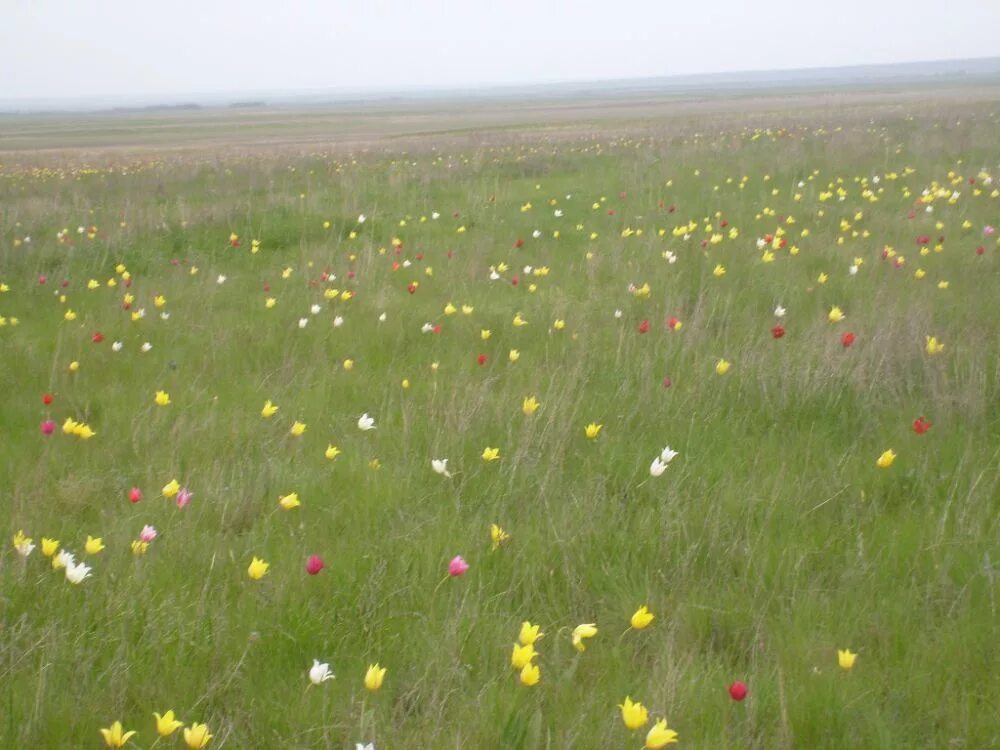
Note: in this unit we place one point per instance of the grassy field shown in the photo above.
(391, 280)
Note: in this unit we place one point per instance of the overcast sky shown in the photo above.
(51, 49)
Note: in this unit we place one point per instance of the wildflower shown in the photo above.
(514, 355)
(139, 547)
(490, 454)
(320, 673)
(171, 488)
(642, 618)
(366, 423)
(719, 271)
(592, 430)
(297, 429)
(457, 566)
(634, 715)
(497, 536)
(289, 501)
(440, 466)
(921, 425)
(48, 427)
(63, 559)
(314, 564)
(374, 677)
(196, 736)
(846, 659)
(331, 452)
(134, 495)
(519, 321)
(847, 339)
(835, 315)
(886, 459)
(530, 675)
(49, 546)
(166, 725)
(822, 278)
(580, 632)
(738, 691)
(778, 331)
(115, 735)
(23, 544)
(660, 736)
(722, 367)
(521, 655)
(77, 572)
(147, 534)
(258, 569)
(184, 497)
(933, 346)
(779, 312)
(92, 546)
(529, 406)
(268, 410)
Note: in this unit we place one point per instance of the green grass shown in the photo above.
(770, 542)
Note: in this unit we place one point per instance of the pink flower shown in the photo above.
(184, 497)
(457, 566)
(988, 231)
(135, 495)
(314, 564)
(147, 534)
(48, 426)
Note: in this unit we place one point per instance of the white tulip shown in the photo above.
(320, 673)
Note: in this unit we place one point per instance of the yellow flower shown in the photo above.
(497, 536)
(919, 274)
(166, 725)
(49, 546)
(530, 405)
(22, 543)
(297, 429)
(268, 303)
(642, 618)
(258, 569)
(467, 309)
(171, 488)
(485, 334)
(159, 300)
(115, 735)
(491, 454)
(559, 324)
(92, 545)
(588, 630)
(519, 321)
(530, 675)
(521, 656)
(933, 345)
(450, 309)
(634, 715)
(719, 270)
(886, 459)
(374, 677)
(74, 366)
(332, 451)
(289, 501)
(196, 736)
(162, 398)
(659, 736)
(529, 633)
(514, 355)
(268, 410)
(592, 430)
(846, 659)
(70, 315)
(836, 315)
(139, 547)
(722, 367)
(348, 364)
(822, 278)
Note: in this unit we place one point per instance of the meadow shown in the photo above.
(303, 403)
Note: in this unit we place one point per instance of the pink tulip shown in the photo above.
(314, 564)
(135, 495)
(147, 534)
(48, 426)
(184, 497)
(457, 566)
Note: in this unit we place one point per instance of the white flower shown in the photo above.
(440, 466)
(76, 573)
(65, 559)
(382, 318)
(527, 270)
(315, 309)
(671, 258)
(221, 279)
(164, 315)
(303, 322)
(320, 673)
(24, 548)
(557, 213)
(141, 312)
(929, 209)
(667, 455)
(146, 347)
(779, 312)
(359, 746)
(537, 233)
(657, 467)
(760, 243)
(494, 276)
(426, 328)
(687, 236)
(338, 321)
(27, 240)
(407, 264)
(435, 215)
(852, 270)
(80, 230)
(361, 219)
(117, 346)
(366, 423)
(618, 314)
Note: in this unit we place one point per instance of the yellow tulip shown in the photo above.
(886, 459)
(166, 725)
(846, 659)
(374, 677)
(258, 569)
(115, 735)
(196, 736)
(642, 618)
(530, 675)
(660, 736)
(634, 715)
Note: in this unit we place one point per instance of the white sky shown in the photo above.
(79, 48)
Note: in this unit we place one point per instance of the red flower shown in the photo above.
(97, 338)
(672, 323)
(135, 495)
(513, 281)
(519, 243)
(847, 339)
(481, 359)
(980, 250)
(778, 331)
(350, 274)
(42, 279)
(738, 691)
(314, 564)
(47, 399)
(921, 425)
(395, 266)
(644, 326)
(437, 329)
(419, 256)
(411, 287)
(923, 239)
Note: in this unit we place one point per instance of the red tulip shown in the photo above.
(519, 243)
(644, 326)
(47, 399)
(738, 691)
(97, 338)
(411, 287)
(778, 331)
(437, 329)
(921, 425)
(847, 339)
(513, 281)
(314, 564)
(673, 323)
(980, 250)
(135, 495)
(481, 359)
(42, 279)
